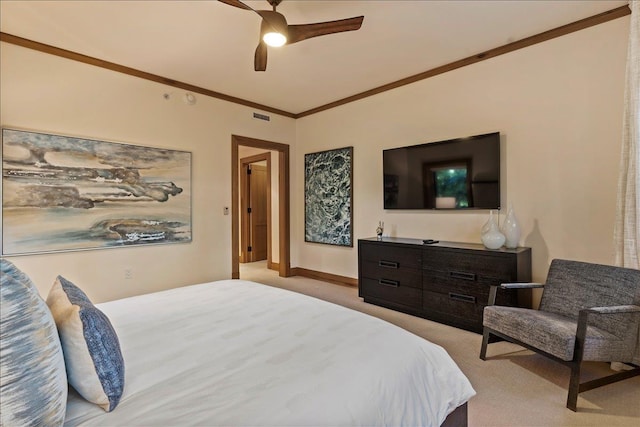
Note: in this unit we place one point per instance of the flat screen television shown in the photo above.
(462, 173)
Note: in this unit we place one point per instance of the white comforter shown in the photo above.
(238, 353)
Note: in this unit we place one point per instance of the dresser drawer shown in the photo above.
(392, 291)
(478, 288)
(392, 257)
(454, 308)
(472, 266)
(411, 277)
(443, 284)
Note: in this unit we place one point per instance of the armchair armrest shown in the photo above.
(494, 289)
(613, 309)
(583, 316)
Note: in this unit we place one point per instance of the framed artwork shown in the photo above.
(61, 193)
(328, 194)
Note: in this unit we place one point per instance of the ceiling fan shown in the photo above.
(274, 30)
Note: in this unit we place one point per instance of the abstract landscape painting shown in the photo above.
(62, 193)
(328, 186)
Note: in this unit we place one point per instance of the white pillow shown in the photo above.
(33, 382)
(95, 367)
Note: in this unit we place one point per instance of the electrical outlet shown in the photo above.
(128, 274)
(226, 210)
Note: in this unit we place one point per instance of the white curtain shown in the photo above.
(627, 227)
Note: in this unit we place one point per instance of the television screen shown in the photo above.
(462, 173)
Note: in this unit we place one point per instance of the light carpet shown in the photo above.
(515, 387)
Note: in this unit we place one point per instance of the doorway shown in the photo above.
(255, 208)
(284, 251)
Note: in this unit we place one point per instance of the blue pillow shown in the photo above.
(33, 382)
(95, 367)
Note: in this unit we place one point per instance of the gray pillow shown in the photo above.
(33, 382)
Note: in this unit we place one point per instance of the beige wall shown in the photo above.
(50, 94)
(558, 106)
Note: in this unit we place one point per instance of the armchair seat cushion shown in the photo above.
(555, 334)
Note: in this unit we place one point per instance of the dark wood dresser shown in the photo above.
(447, 282)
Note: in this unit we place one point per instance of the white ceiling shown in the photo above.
(211, 45)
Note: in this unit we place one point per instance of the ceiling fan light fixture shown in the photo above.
(274, 39)
(274, 30)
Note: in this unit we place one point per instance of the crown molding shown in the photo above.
(591, 21)
(52, 50)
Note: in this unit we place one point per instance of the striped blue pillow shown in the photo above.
(95, 367)
(8, 269)
(33, 382)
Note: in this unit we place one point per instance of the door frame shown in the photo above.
(284, 221)
(245, 223)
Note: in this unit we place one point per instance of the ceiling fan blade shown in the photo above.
(306, 31)
(236, 3)
(260, 58)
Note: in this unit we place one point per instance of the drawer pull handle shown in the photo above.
(388, 264)
(392, 283)
(463, 298)
(462, 275)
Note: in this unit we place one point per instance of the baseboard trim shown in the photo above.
(273, 266)
(327, 277)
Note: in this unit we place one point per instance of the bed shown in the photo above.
(239, 353)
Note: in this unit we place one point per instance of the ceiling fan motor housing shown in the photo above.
(274, 3)
(273, 22)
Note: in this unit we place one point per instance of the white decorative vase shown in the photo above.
(492, 238)
(511, 229)
(487, 225)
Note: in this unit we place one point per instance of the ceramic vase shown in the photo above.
(492, 238)
(511, 229)
(487, 224)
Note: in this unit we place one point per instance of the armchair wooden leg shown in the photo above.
(574, 387)
(485, 342)
(578, 352)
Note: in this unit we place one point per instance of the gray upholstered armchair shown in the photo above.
(588, 312)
